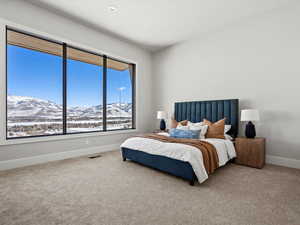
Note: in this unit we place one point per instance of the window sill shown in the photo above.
(64, 137)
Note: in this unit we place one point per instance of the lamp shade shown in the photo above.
(161, 115)
(249, 115)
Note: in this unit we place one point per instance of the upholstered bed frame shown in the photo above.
(194, 111)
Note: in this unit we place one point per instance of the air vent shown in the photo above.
(94, 156)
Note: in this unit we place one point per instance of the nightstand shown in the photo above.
(250, 151)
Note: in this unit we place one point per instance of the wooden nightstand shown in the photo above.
(250, 151)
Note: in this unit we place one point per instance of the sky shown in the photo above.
(39, 75)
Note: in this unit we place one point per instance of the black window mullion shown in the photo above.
(64, 88)
(104, 102)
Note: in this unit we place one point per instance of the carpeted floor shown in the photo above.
(107, 191)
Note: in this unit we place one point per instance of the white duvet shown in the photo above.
(186, 153)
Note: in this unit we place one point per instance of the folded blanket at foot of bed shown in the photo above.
(209, 152)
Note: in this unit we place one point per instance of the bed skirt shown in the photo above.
(172, 166)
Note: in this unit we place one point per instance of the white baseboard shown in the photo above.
(16, 163)
(281, 161)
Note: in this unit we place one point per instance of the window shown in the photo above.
(57, 89)
(84, 91)
(34, 86)
(119, 95)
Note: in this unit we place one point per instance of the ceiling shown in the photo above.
(155, 24)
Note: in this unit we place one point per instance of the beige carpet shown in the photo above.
(108, 191)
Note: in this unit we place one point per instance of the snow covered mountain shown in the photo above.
(32, 108)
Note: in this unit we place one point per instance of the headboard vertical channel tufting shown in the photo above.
(214, 110)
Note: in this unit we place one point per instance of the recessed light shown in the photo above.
(113, 8)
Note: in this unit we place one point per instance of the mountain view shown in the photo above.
(38, 75)
(32, 116)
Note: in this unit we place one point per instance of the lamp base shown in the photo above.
(250, 130)
(162, 124)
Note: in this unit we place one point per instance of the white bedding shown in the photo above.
(225, 150)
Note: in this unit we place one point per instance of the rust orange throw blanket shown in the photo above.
(209, 152)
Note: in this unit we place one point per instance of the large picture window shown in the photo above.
(57, 89)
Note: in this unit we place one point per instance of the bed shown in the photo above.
(183, 161)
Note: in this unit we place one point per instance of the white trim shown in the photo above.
(66, 136)
(282, 161)
(2, 81)
(16, 163)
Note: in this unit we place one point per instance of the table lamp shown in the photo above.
(162, 116)
(250, 115)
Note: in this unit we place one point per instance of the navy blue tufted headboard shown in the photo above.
(214, 110)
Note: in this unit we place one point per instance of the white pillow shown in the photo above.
(194, 124)
(227, 128)
(181, 127)
(164, 134)
(198, 126)
(228, 137)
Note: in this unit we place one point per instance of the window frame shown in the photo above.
(64, 90)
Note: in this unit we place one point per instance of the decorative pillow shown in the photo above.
(177, 133)
(215, 130)
(164, 134)
(198, 126)
(228, 137)
(195, 124)
(174, 123)
(227, 128)
(180, 127)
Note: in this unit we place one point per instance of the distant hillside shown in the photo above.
(33, 108)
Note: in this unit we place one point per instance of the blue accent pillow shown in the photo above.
(178, 133)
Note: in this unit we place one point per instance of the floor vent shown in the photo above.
(94, 156)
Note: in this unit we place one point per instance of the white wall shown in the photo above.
(257, 61)
(35, 19)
